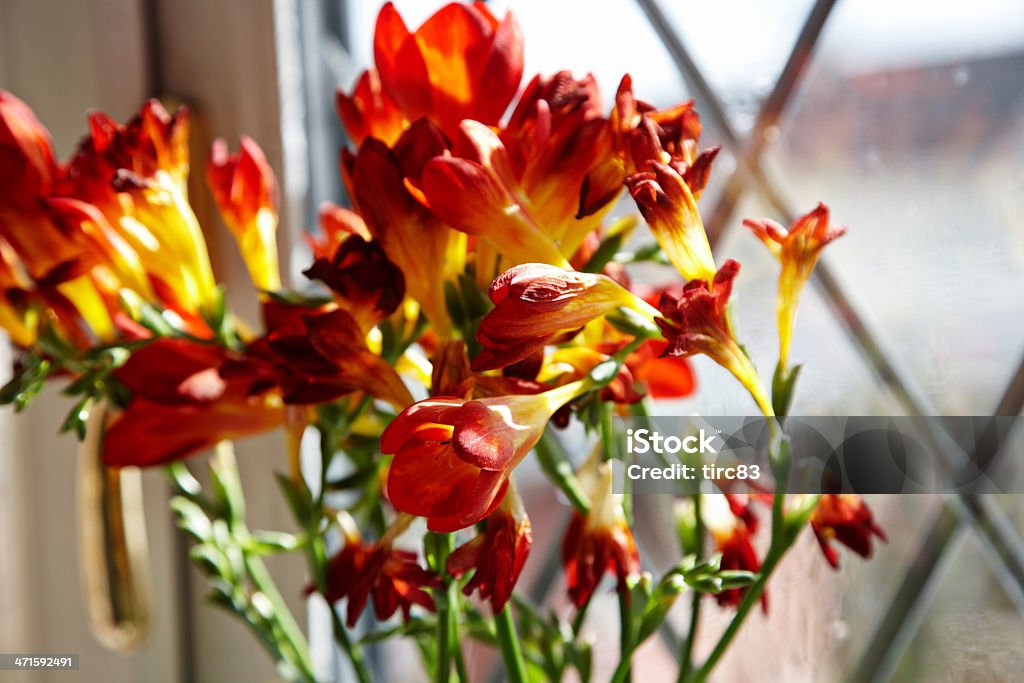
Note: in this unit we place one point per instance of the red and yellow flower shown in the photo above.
(731, 530)
(413, 238)
(392, 577)
(462, 63)
(697, 321)
(599, 541)
(245, 189)
(365, 282)
(798, 250)
(668, 206)
(497, 555)
(478, 194)
(369, 111)
(845, 518)
(181, 404)
(535, 304)
(318, 355)
(453, 456)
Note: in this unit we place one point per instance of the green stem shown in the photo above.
(686, 655)
(354, 652)
(626, 645)
(555, 463)
(577, 621)
(225, 468)
(750, 598)
(782, 540)
(511, 651)
(447, 613)
(293, 635)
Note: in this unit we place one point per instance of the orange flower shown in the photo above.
(573, 362)
(847, 519)
(369, 111)
(411, 236)
(637, 133)
(462, 63)
(146, 205)
(479, 195)
(15, 316)
(669, 208)
(698, 322)
(337, 224)
(453, 457)
(181, 405)
(316, 356)
(28, 173)
(535, 303)
(245, 189)
(599, 541)
(366, 283)
(496, 555)
(798, 249)
(664, 376)
(732, 537)
(553, 139)
(392, 577)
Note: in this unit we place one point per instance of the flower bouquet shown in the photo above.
(475, 301)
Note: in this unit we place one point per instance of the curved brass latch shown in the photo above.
(112, 545)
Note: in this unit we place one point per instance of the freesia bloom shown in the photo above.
(41, 258)
(391, 576)
(412, 237)
(318, 355)
(497, 555)
(462, 63)
(145, 207)
(28, 173)
(245, 189)
(15, 317)
(847, 519)
(599, 541)
(479, 195)
(732, 537)
(798, 249)
(697, 322)
(669, 208)
(664, 376)
(369, 111)
(636, 133)
(534, 303)
(552, 138)
(453, 456)
(181, 405)
(337, 224)
(366, 283)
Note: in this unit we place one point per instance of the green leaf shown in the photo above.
(605, 253)
(273, 542)
(209, 559)
(26, 383)
(146, 314)
(192, 519)
(77, 419)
